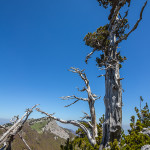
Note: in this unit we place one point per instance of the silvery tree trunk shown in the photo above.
(106, 40)
(113, 96)
(113, 106)
(7, 138)
(93, 119)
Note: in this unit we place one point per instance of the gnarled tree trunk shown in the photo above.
(113, 95)
(106, 40)
(113, 106)
(93, 119)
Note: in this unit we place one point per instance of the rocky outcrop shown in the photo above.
(33, 121)
(145, 147)
(51, 126)
(146, 131)
(55, 129)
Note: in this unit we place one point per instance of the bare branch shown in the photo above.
(86, 116)
(71, 103)
(91, 100)
(135, 26)
(81, 74)
(24, 141)
(109, 66)
(73, 97)
(120, 22)
(126, 14)
(97, 97)
(3, 127)
(87, 88)
(73, 122)
(102, 75)
(16, 127)
(89, 55)
(82, 90)
(83, 77)
(14, 119)
(87, 122)
(116, 11)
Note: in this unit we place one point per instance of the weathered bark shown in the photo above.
(93, 119)
(113, 95)
(7, 138)
(113, 106)
(24, 141)
(106, 40)
(91, 101)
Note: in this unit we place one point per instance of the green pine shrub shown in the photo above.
(134, 140)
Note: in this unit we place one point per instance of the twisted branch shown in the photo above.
(73, 97)
(73, 122)
(86, 116)
(15, 128)
(135, 26)
(24, 141)
(91, 100)
(89, 55)
(91, 96)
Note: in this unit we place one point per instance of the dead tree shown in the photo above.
(17, 124)
(91, 132)
(106, 40)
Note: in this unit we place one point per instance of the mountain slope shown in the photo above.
(41, 134)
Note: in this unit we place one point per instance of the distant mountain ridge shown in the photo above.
(42, 134)
(50, 125)
(3, 121)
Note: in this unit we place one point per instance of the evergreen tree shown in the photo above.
(106, 40)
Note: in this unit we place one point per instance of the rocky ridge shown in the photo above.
(51, 126)
(41, 134)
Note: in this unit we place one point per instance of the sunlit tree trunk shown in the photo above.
(113, 106)
(113, 95)
(93, 119)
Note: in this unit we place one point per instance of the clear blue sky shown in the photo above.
(40, 40)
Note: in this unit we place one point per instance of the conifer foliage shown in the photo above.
(134, 140)
(81, 141)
